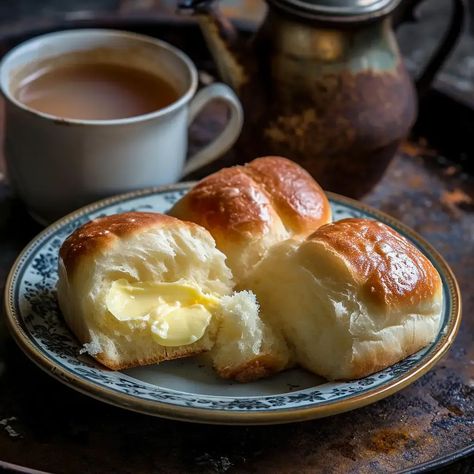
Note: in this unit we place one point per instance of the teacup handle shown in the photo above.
(227, 137)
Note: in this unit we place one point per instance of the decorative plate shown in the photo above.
(187, 389)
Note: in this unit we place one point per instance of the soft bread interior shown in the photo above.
(247, 348)
(181, 254)
(243, 258)
(334, 329)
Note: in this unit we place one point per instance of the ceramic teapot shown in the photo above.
(323, 83)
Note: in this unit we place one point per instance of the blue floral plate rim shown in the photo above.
(123, 391)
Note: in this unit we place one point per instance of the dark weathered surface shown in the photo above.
(50, 427)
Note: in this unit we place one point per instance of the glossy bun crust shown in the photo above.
(390, 270)
(353, 298)
(249, 208)
(99, 234)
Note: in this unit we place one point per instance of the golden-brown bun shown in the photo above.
(145, 247)
(249, 208)
(353, 298)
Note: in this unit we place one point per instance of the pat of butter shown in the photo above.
(176, 312)
(181, 326)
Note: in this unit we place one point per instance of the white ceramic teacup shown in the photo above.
(58, 164)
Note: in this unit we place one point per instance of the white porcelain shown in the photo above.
(57, 165)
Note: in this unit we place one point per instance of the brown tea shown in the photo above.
(95, 91)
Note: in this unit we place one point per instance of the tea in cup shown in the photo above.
(91, 113)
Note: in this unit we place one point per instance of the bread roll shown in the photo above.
(141, 288)
(353, 298)
(249, 208)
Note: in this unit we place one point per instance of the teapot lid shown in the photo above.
(341, 10)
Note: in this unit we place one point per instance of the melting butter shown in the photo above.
(181, 326)
(177, 313)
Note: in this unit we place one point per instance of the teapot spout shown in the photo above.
(222, 39)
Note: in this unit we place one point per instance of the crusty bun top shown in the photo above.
(393, 270)
(247, 209)
(298, 199)
(247, 199)
(104, 231)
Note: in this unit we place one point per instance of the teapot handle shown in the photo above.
(446, 45)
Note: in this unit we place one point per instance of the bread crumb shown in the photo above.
(240, 301)
(92, 348)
